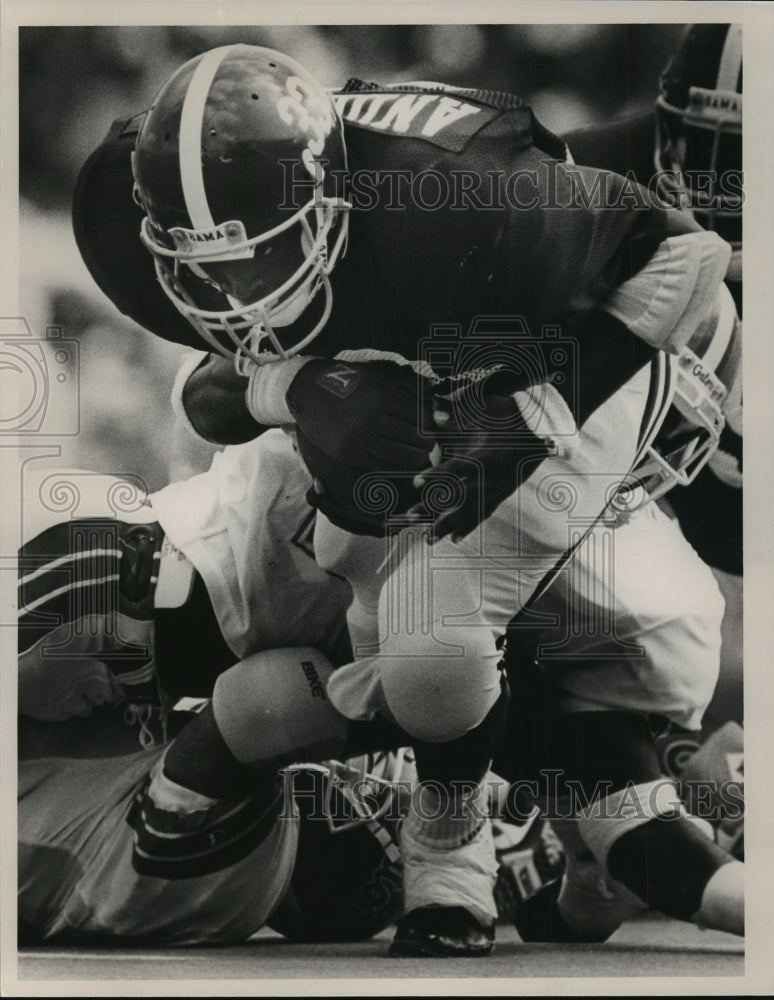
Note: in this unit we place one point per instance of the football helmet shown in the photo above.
(699, 131)
(239, 165)
(360, 791)
(347, 880)
(690, 433)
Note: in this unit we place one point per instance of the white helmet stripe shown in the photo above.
(191, 173)
(731, 59)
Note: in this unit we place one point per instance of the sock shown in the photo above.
(440, 821)
(199, 760)
(448, 852)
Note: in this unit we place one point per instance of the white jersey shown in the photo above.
(632, 623)
(247, 528)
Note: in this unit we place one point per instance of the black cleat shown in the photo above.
(441, 932)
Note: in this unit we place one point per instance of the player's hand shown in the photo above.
(342, 496)
(490, 460)
(726, 463)
(360, 430)
(367, 415)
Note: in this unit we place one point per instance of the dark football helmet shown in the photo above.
(699, 131)
(347, 882)
(239, 165)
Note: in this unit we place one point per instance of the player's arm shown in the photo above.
(212, 402)
(648, 280)
(622, 286)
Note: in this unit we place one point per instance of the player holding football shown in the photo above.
(260, 281)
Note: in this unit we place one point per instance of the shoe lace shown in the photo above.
(143, 716)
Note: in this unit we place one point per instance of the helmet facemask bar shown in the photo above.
(249, 325)
(678, 458)
(368, 795)
(692, 141)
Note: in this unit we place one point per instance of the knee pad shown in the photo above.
(272, 708)
(437, 699)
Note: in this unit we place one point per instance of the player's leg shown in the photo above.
(708, 762)
(633, 623)
(441, 608)
(218, 872)
(498, 585)
(583, 904)
(650, 648)
(439, 680)
(440, 613)
(625, 834)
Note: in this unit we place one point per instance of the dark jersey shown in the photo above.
(477, 217)
(624, 145)
(710, 508)
(462, 208)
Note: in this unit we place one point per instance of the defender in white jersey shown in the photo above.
(115, 623)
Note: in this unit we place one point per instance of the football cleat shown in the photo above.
(442, 932)
(539, 919)
(448, 879)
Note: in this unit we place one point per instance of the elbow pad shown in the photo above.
(666, 301)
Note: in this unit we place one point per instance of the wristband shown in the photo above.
(267, 388)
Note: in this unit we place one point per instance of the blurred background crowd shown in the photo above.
(74, 81)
